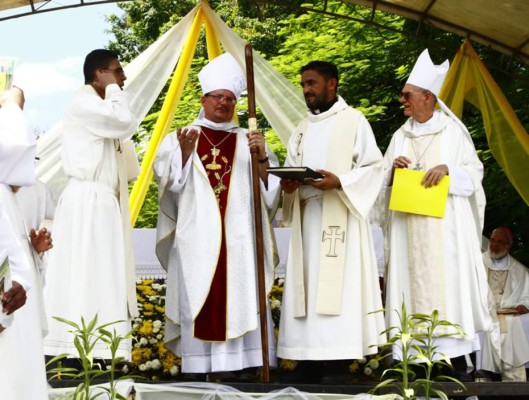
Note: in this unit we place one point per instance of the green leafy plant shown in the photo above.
(86, 336)
(415, 338)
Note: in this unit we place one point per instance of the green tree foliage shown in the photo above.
(374, 54)
(144, 22)
(369, 60)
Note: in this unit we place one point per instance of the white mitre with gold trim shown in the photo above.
(223, 72)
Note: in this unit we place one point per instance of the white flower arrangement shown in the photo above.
(150, 358)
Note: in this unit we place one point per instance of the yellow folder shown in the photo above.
(408, 195)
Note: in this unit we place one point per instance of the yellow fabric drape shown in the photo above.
(141, 186)
(212, 42)
(163, 123)
(468, 79)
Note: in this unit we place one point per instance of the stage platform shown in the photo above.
(195, 391)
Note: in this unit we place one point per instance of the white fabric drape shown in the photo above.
(146, 76)
(210, 391)
(280, 101)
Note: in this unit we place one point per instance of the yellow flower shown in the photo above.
(354, 367)
(169, 361)
(147, 343)
(288, 365)
(147, 353)
(161, 349)
(145, 328)
(136, 356)
(147, 290)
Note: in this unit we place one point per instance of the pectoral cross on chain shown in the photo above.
(333, 234)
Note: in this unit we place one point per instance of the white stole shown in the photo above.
(334, 218)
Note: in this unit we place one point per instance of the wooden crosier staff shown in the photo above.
(252, 126)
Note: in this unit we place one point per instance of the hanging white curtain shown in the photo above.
(146, 76)
(280, 101)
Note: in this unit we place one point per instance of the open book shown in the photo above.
(295, 173)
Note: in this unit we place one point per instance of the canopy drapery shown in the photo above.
(468, 79)
(280, 101)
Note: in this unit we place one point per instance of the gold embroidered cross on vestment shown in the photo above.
(214, 167)
(215, 152)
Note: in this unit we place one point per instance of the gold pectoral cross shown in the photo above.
(214, 166)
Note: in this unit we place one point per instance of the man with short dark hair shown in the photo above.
(91, 268)
(331, 282)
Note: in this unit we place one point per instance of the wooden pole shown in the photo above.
(252, 125)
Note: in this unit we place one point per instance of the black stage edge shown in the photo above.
(483, 390)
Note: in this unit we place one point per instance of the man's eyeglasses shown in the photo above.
(220, 98)
(407, 95)
(119, 71)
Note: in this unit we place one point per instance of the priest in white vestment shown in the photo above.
(331, 281)
(21, 342)
(206, 232)
(91, 267)
(509, 282)
(435, 263)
